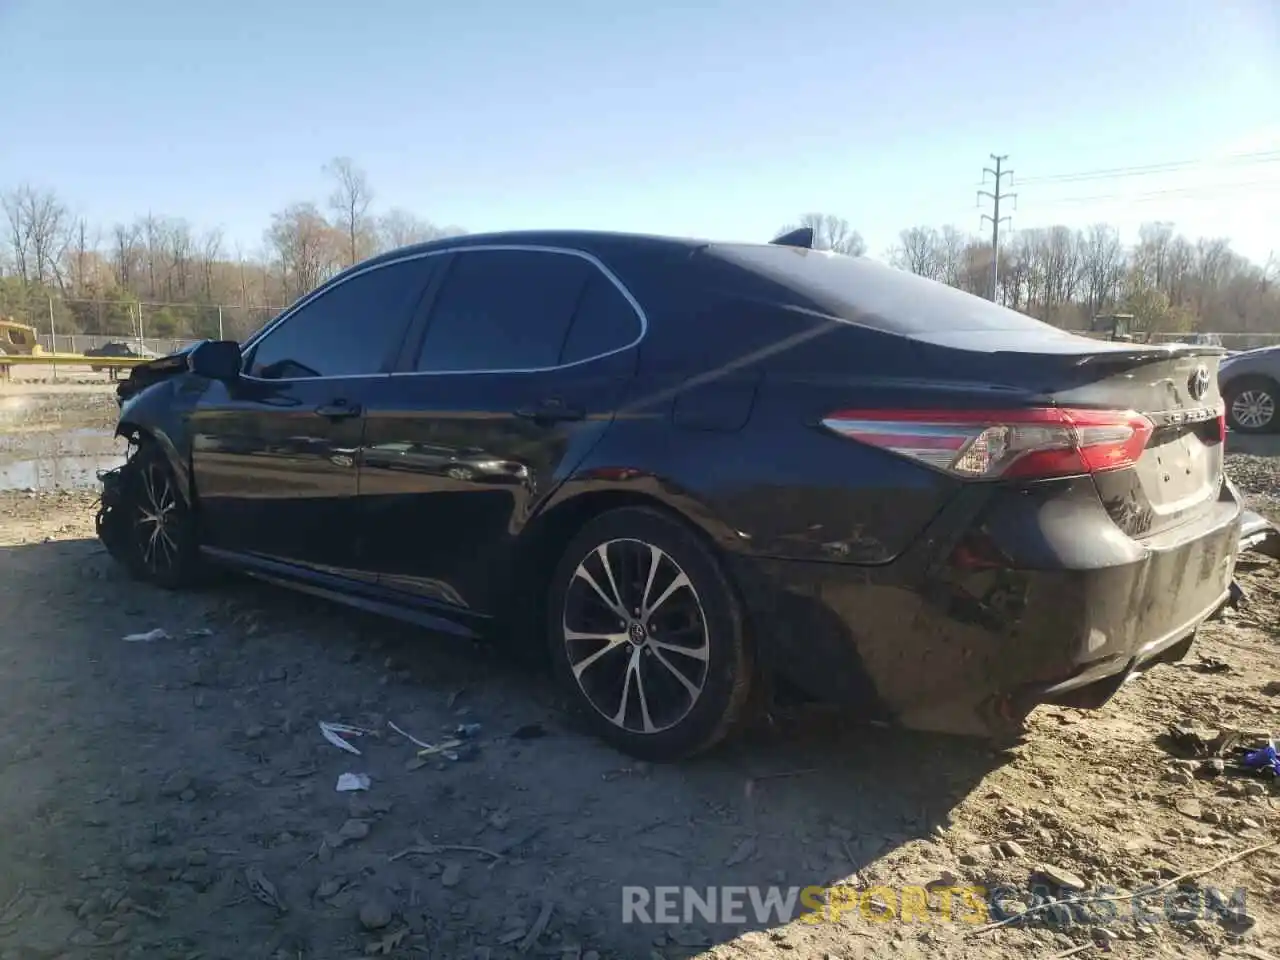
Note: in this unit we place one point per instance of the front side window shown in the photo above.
(503, 310)
(351, 329)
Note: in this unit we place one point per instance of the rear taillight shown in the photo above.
(1033, 443)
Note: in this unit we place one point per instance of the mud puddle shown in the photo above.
(56, 473)
(56, 441)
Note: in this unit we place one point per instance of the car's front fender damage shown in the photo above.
(150, 412)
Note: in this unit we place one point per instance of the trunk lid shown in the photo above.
(1175, 386)
(1179, 475)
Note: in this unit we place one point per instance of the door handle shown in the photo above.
(338, 410)
(550, 411)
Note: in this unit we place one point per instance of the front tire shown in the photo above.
(150, 523)
(1251, 405)
(648, 635)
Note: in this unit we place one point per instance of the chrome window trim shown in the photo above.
(509, 247)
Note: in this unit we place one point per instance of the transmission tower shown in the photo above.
(996, 195)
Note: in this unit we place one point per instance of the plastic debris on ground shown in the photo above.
(1264, 760)
(445, 748)
(151, 636)
(467, 730)
(350, 782)
(410, 737)
(336, 732)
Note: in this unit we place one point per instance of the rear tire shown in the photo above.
(152, 526)
(1251, 405)
(648, 636)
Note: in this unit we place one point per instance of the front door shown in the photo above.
(523, 359)
(275, 454)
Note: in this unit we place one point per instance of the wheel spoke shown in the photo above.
(645, 720)
(611, 642)
(620, 718)
(655, 559)
(170, 548)
(680, 581)
(149, 548)
(694, 653)
(685, 682)
(584, 574)
(146, 488)
(620, 604)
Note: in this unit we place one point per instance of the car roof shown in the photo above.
(588, 241)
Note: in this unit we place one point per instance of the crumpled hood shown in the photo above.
(145, 374)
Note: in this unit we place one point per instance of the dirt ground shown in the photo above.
(174, 798)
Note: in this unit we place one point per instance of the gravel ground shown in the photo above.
(176, 799)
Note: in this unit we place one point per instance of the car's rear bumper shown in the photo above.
(944, 639)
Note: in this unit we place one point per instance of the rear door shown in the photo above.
(276, 454)
(513, 380)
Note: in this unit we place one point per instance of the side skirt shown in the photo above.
(369, 597)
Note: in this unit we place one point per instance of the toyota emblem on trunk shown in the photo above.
(1199, 382)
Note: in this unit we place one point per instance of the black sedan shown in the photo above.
(117, 349)
(692, 469)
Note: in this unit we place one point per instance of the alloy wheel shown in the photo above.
(636, 636)
(1253, 409)
(157, 519)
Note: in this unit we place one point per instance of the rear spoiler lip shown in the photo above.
(1151, 353)
(1260, 534)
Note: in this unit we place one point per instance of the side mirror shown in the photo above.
(215, 359)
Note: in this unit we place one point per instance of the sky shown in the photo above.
(723, 120)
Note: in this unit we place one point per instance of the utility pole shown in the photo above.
(995, 218)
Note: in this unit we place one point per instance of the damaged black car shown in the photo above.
(690, 472)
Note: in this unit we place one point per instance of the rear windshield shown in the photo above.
(872, 294)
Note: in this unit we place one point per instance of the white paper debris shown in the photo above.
(150, 636)
(349, 782)
(333, 732)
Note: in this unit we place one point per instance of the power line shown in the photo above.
(995, 218)
(1170, 192)
(1138, 170)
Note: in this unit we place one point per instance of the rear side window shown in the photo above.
(870, 293)
(604, 322)
(350, 329)
(503, 310)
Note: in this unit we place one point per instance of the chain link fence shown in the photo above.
(71, 325)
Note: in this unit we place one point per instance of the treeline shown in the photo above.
(175, 280)
(1064, 276)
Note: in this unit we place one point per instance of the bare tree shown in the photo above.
(39, 233)
(1151, 255)
(180, 246)
(84, 259)
(124, 254)
(1102, 268)
(209, 255)
(917, 252)
(952, 247)
(831, 233)
(399, 228)
(350, 202)
(305, 245)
